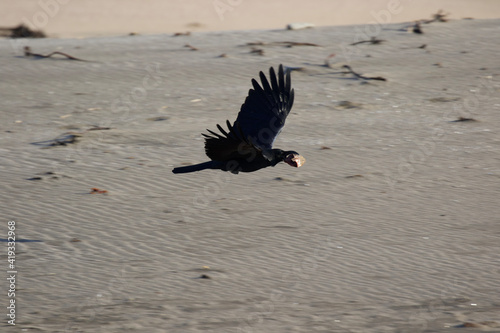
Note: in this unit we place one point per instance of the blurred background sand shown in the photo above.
(84, 18)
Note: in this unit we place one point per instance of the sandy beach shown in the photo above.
(392, 225)
(92, 18)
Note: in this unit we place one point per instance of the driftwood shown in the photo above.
(28, 53)
(21, 31)
(359, 76)
(417, 28)
(257, 51)
(191, 47)
(68, 137)
(286, 44)
(438, 17)
(372, 40)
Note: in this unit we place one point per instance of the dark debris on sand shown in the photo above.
(28, 53)
(463, 119)
(359, 76)
(21, 31)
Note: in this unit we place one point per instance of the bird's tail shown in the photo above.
(193, 168)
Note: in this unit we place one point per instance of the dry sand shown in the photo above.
(395, 228)
(88, 18)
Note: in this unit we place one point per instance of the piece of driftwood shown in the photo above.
(416, 26)
(21, 31)
(28, 53)
(257, 51)
(359, 76)
(440, 16)
(68, 137)
(177, 34)
(285, 43)
(373, 40)
(191, 47)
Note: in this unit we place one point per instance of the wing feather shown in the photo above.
(214, 134)
(222, 130)
(229, 146)
(263, 114)
(281, 84)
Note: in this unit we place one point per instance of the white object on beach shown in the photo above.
(297, 26)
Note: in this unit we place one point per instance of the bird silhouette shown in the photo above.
(246, 145)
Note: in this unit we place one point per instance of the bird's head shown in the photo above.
(293, 158)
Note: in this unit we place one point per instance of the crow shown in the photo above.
(246, 146)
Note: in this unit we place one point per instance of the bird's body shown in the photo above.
(247, 144)
(236, 165)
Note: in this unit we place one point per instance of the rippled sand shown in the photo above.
(391, 225)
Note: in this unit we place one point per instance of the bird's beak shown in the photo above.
(295, 160)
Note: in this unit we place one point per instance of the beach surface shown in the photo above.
(392, 225)
(91, 18)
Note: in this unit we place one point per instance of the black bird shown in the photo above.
(247, 144)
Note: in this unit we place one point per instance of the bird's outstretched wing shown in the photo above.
(230, 145)
(266, 107)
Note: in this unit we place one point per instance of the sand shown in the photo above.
(90, 18)
(392, 225)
